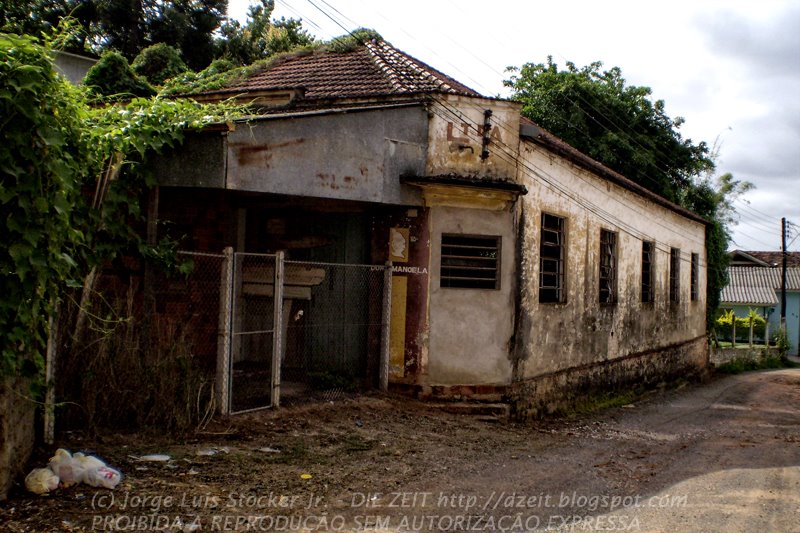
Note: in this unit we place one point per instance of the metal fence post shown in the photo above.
(277, 336)
(386, 313)
(224, 333)
(50, 377)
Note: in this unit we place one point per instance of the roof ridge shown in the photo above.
(380, 51)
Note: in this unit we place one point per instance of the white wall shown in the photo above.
(470, 328)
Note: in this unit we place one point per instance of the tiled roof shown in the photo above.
(758, 285)
(775, 258)
(370, 70)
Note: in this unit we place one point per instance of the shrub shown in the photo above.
(724, 325)
(112, 78)
(158, 63)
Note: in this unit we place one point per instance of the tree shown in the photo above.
(616, 124)
(55, 147)
(158, 63)
(196, 28)
(620, 126)
(261, 37)
(127, 26)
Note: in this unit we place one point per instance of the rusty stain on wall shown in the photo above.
(247, 154)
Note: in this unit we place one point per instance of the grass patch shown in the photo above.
(356, 443)
(297, 452)
(742, 345)
(598, 402)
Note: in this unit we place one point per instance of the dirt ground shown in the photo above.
(719, 456)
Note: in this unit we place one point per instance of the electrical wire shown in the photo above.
(548, 180)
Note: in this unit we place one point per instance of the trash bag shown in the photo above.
(104, 476)
(88, 462)
(96, 473)
(41, 481)
(66, 467)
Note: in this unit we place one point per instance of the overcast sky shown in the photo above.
(731, 68)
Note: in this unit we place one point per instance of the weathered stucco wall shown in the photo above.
(16, 431)
(358, 155)
(470, 329)
(456, 137)
(558, 391)
(581, 331)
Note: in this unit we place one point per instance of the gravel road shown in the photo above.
(718, 456)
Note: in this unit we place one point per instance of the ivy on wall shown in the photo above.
(71, 189)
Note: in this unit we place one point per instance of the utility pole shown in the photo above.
(783, 275)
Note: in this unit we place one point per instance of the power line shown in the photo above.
(547, 180)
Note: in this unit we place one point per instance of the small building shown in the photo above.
(521, 268)
(755, 283)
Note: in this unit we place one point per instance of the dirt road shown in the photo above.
(721, 456)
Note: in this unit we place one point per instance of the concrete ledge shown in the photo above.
(721, 356)
(474, 393)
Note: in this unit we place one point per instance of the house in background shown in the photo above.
(523, 269)
(73, 66)
(755, 283)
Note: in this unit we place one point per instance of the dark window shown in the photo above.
(608, 267)
(695, 276)
(648, 270)
(470, 262)
(674, 274)
(551, 259)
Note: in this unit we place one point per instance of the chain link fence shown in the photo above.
(329, 331)
(138, 345)
(333, 315)
(147, 346)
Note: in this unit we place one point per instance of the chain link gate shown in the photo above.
(327, 338)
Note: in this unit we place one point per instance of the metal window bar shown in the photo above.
(674, 275)
(647, 271)
(695, 282)
(551, 259)
(471, 262)
(608, 267)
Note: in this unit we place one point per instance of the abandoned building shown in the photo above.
(520, 269)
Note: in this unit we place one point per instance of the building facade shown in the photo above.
(522, 269)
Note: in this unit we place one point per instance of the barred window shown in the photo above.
(648, 270)
(608, 267)
(551, 259)
(470, 262)
(695, 277)
(674, 275)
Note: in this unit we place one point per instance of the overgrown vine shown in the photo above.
(72, 181)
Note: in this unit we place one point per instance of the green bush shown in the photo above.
(158, 63)
(112, 78)
(724, 325)
(43, 159)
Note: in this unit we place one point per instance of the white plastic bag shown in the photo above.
(41, 481)
(88, 462)
(104, 476)
(66, 467)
